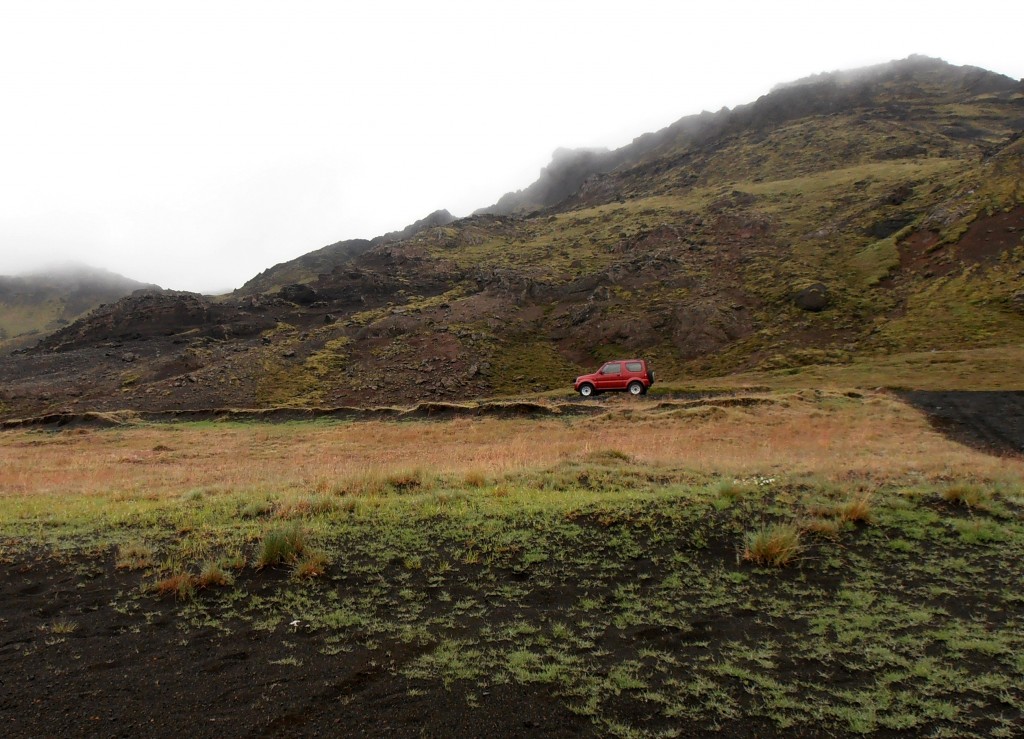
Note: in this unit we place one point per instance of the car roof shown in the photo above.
(610, 361)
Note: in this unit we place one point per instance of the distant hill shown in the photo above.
(35, 304)
(843, 217)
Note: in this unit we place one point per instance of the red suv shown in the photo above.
(631, 375)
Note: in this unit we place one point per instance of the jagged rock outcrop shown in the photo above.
(436, 219)
(149, 315)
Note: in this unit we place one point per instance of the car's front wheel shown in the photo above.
(636, 388)
(586, 390)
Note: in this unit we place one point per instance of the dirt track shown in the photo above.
(992, 421)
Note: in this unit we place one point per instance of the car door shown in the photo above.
(610, 377)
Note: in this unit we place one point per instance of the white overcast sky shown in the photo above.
(194, 144)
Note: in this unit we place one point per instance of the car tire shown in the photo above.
(636, 388)
(586, 390)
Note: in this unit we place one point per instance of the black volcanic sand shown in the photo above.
(990, 420)
(147, 675)
(901, 623)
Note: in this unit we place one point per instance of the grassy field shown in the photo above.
(802, 560)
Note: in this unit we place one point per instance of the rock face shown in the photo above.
(813, 298)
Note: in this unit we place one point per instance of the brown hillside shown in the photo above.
(841, 217)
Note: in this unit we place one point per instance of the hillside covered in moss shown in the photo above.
(845, 216)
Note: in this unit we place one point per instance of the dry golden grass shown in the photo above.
(877, 438)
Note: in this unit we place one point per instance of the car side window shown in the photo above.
(633, 366)
(612, 369)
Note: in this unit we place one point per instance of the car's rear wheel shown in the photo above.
(586, 390)
(636, 388)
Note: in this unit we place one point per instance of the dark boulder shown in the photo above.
(813, 298)
(298, 294)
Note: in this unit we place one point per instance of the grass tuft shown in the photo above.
(730, 490)
(181, 585)
(405, 480)
(232, 561)
(312, 563)
(981, 532)
(965, 494)
(829, 527)
(282, 544)
(62, 626)
(475, 479)
(257, 509)
(609, 456)
(313, 505)
(857, 510)
(134, 555)
(775, 545)
(212, 574)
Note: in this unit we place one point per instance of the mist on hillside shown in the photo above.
(72, 274)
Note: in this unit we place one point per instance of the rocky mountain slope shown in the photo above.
(308, 266)
(849, 214)
(35, 304)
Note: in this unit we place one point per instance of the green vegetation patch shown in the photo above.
(642, 598)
